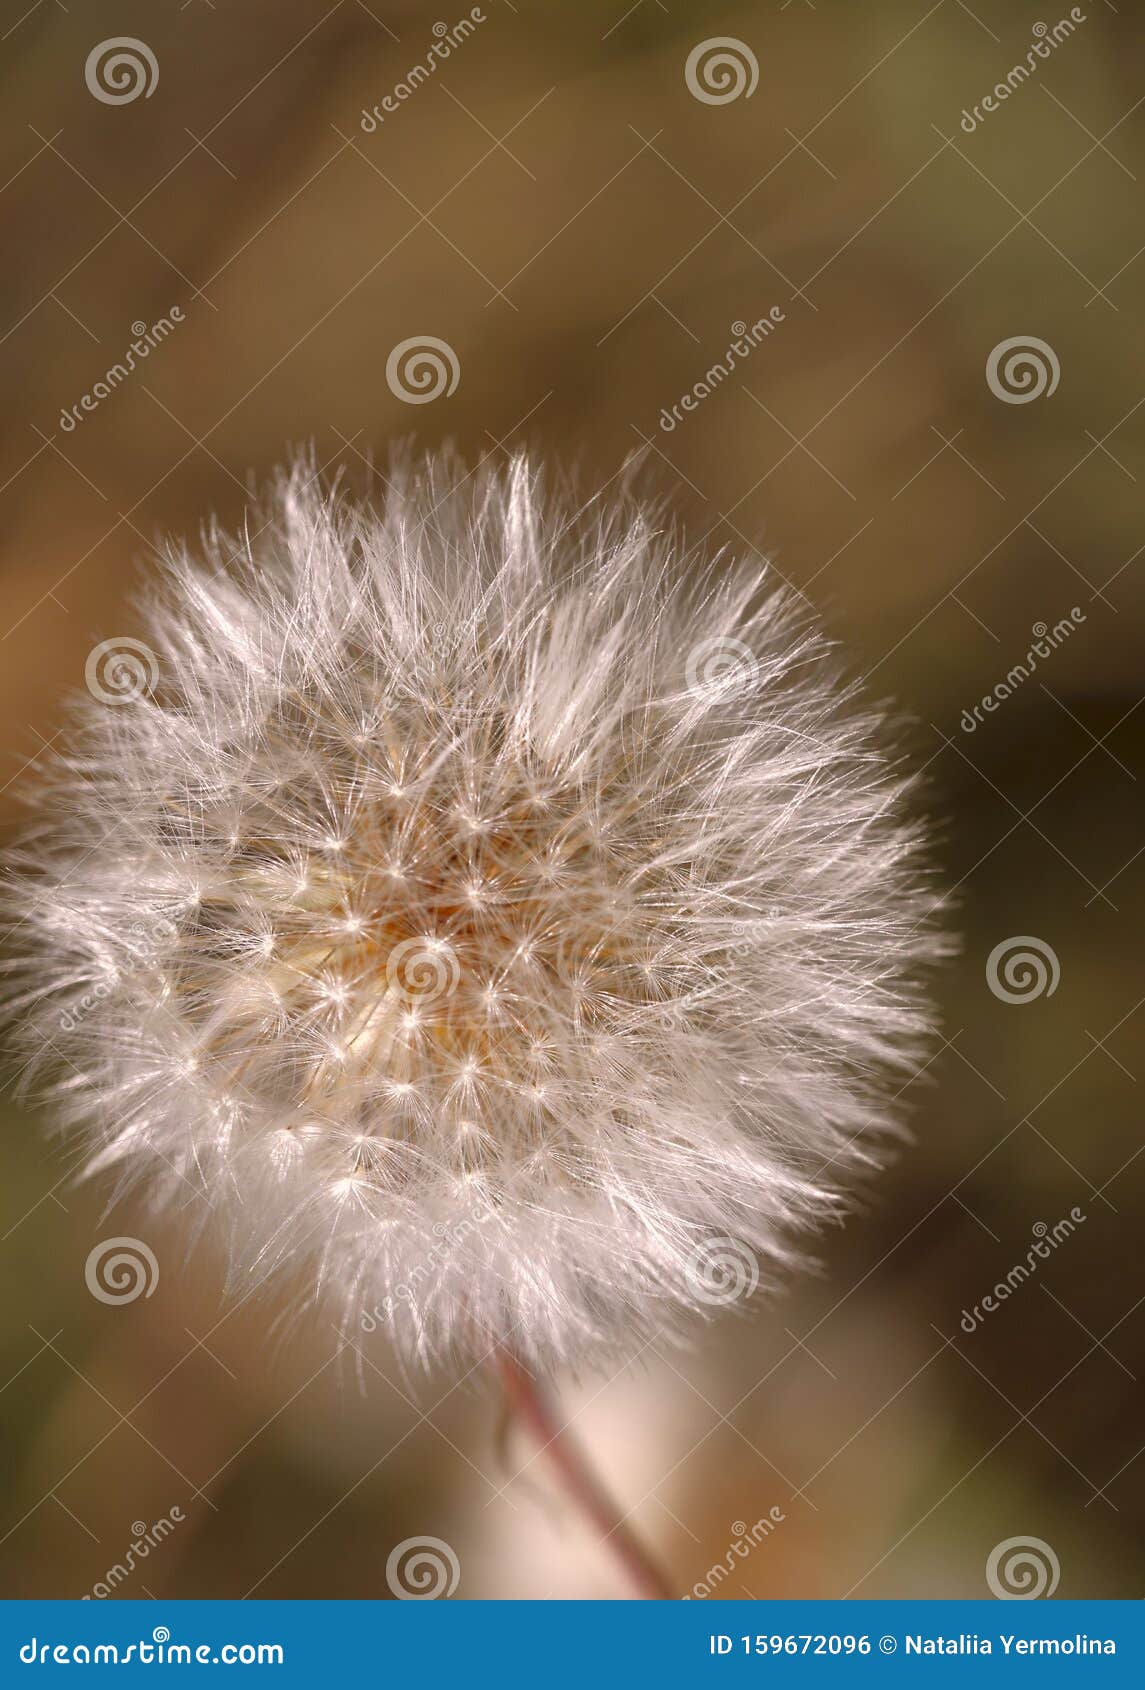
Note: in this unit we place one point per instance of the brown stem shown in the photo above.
(527, 1401)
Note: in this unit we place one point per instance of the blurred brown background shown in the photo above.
(556, 204)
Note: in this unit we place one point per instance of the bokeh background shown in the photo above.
(557, 205)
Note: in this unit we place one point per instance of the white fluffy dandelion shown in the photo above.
(495, 921)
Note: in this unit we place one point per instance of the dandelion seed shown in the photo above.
(620, 960)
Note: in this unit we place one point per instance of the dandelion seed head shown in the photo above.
(495, 959)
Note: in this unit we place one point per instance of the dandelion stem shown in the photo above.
(526, 1399)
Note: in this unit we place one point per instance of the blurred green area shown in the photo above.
(584, 233)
